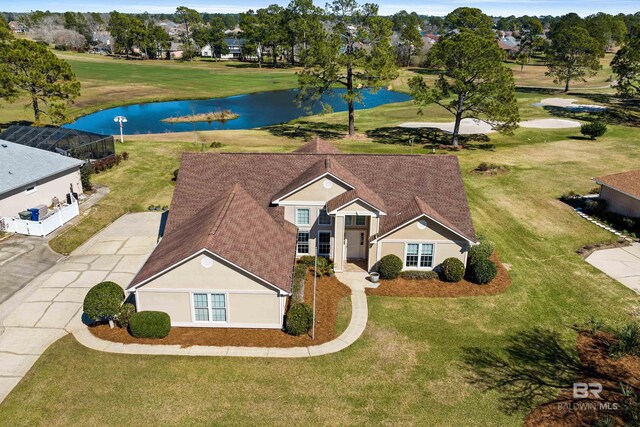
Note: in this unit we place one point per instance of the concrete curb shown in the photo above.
(359, 317)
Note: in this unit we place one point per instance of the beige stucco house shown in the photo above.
(238, 222)
(621, 191)
(31, 177)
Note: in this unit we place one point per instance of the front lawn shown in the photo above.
(407, 368)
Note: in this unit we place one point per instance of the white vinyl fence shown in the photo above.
(41, 228)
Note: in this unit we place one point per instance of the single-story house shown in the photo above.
(30, 177)
(17, 27)
(238, 221)
(621, 191)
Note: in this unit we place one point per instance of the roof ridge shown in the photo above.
(223, 212)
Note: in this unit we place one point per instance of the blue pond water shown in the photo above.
(255, 110)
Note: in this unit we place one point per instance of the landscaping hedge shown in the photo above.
(103, 301)
(484, 271)
(419, 275)
(308, 260)
(150, 324)
(479, 252)
(389, 267)
(299, 319)
(124, 315)
(452, 270)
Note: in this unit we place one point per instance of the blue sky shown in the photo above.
(427, 7)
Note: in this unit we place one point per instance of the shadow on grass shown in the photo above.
(611, 116)
(426, 137)
(537, 367)
(308, 129)
(538, 90)
(424, 71)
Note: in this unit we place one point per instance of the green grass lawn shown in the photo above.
(407, 368)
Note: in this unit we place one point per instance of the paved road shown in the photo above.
(45, 309)
(623, 264)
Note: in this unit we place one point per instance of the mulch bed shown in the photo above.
(329, 293)
(437, 288)
(592, 350)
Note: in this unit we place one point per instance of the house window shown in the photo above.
(324, 218)
(419, 255)
(324, 243)
(210, 307)
(31, 190)
(302, 216)
(359, 220)
(303, 242)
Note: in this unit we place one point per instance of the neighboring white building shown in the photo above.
(30, 177)
(235, 51)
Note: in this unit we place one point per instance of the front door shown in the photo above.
(355, 244)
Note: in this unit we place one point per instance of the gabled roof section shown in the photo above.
(234, 227)
(323, 167)
(363, 193)
(415, 209)
(318, 146)
(625, 182)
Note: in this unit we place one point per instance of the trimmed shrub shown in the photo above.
(150, 324)
(103, 301)
(452, 270)
(124, 315)
(479, 252)
(85, 177)
(389, 267)
(484, 271)
(299, 319)
(595, 206)
(419, 275)
(299, 276)
(593, 130)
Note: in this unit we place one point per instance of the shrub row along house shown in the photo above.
(238, 222)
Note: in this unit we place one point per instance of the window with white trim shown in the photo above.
(324, 243)
(209, 307)
(361, 220)
(324, 218)
(419, 255)
(302, 216)
(303, 242)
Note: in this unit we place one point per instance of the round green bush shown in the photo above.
(389, 267)
(452, 270)
(299, 319)
(479, 252)
(484, 271)
(150, 324)
(593, 129)
(103, 301)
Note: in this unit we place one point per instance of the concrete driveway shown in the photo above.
(623, 264)
(41, 312)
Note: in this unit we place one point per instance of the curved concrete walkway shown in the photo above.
(359, 316)
(50, 306)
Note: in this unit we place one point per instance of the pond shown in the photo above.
(254, 110)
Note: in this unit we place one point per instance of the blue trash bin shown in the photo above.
(35, 214)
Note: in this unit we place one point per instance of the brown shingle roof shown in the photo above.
(627, 182)
(351, 195)
(235, 227)
(318, 146)
(395, 179)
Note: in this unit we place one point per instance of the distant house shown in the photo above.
(175, 51)
(31, 178)
(509, 45)
(621, 191)
(228, 252)
(236, 51)
(17, 27)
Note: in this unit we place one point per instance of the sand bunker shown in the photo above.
(569, 104)
(474, 126)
